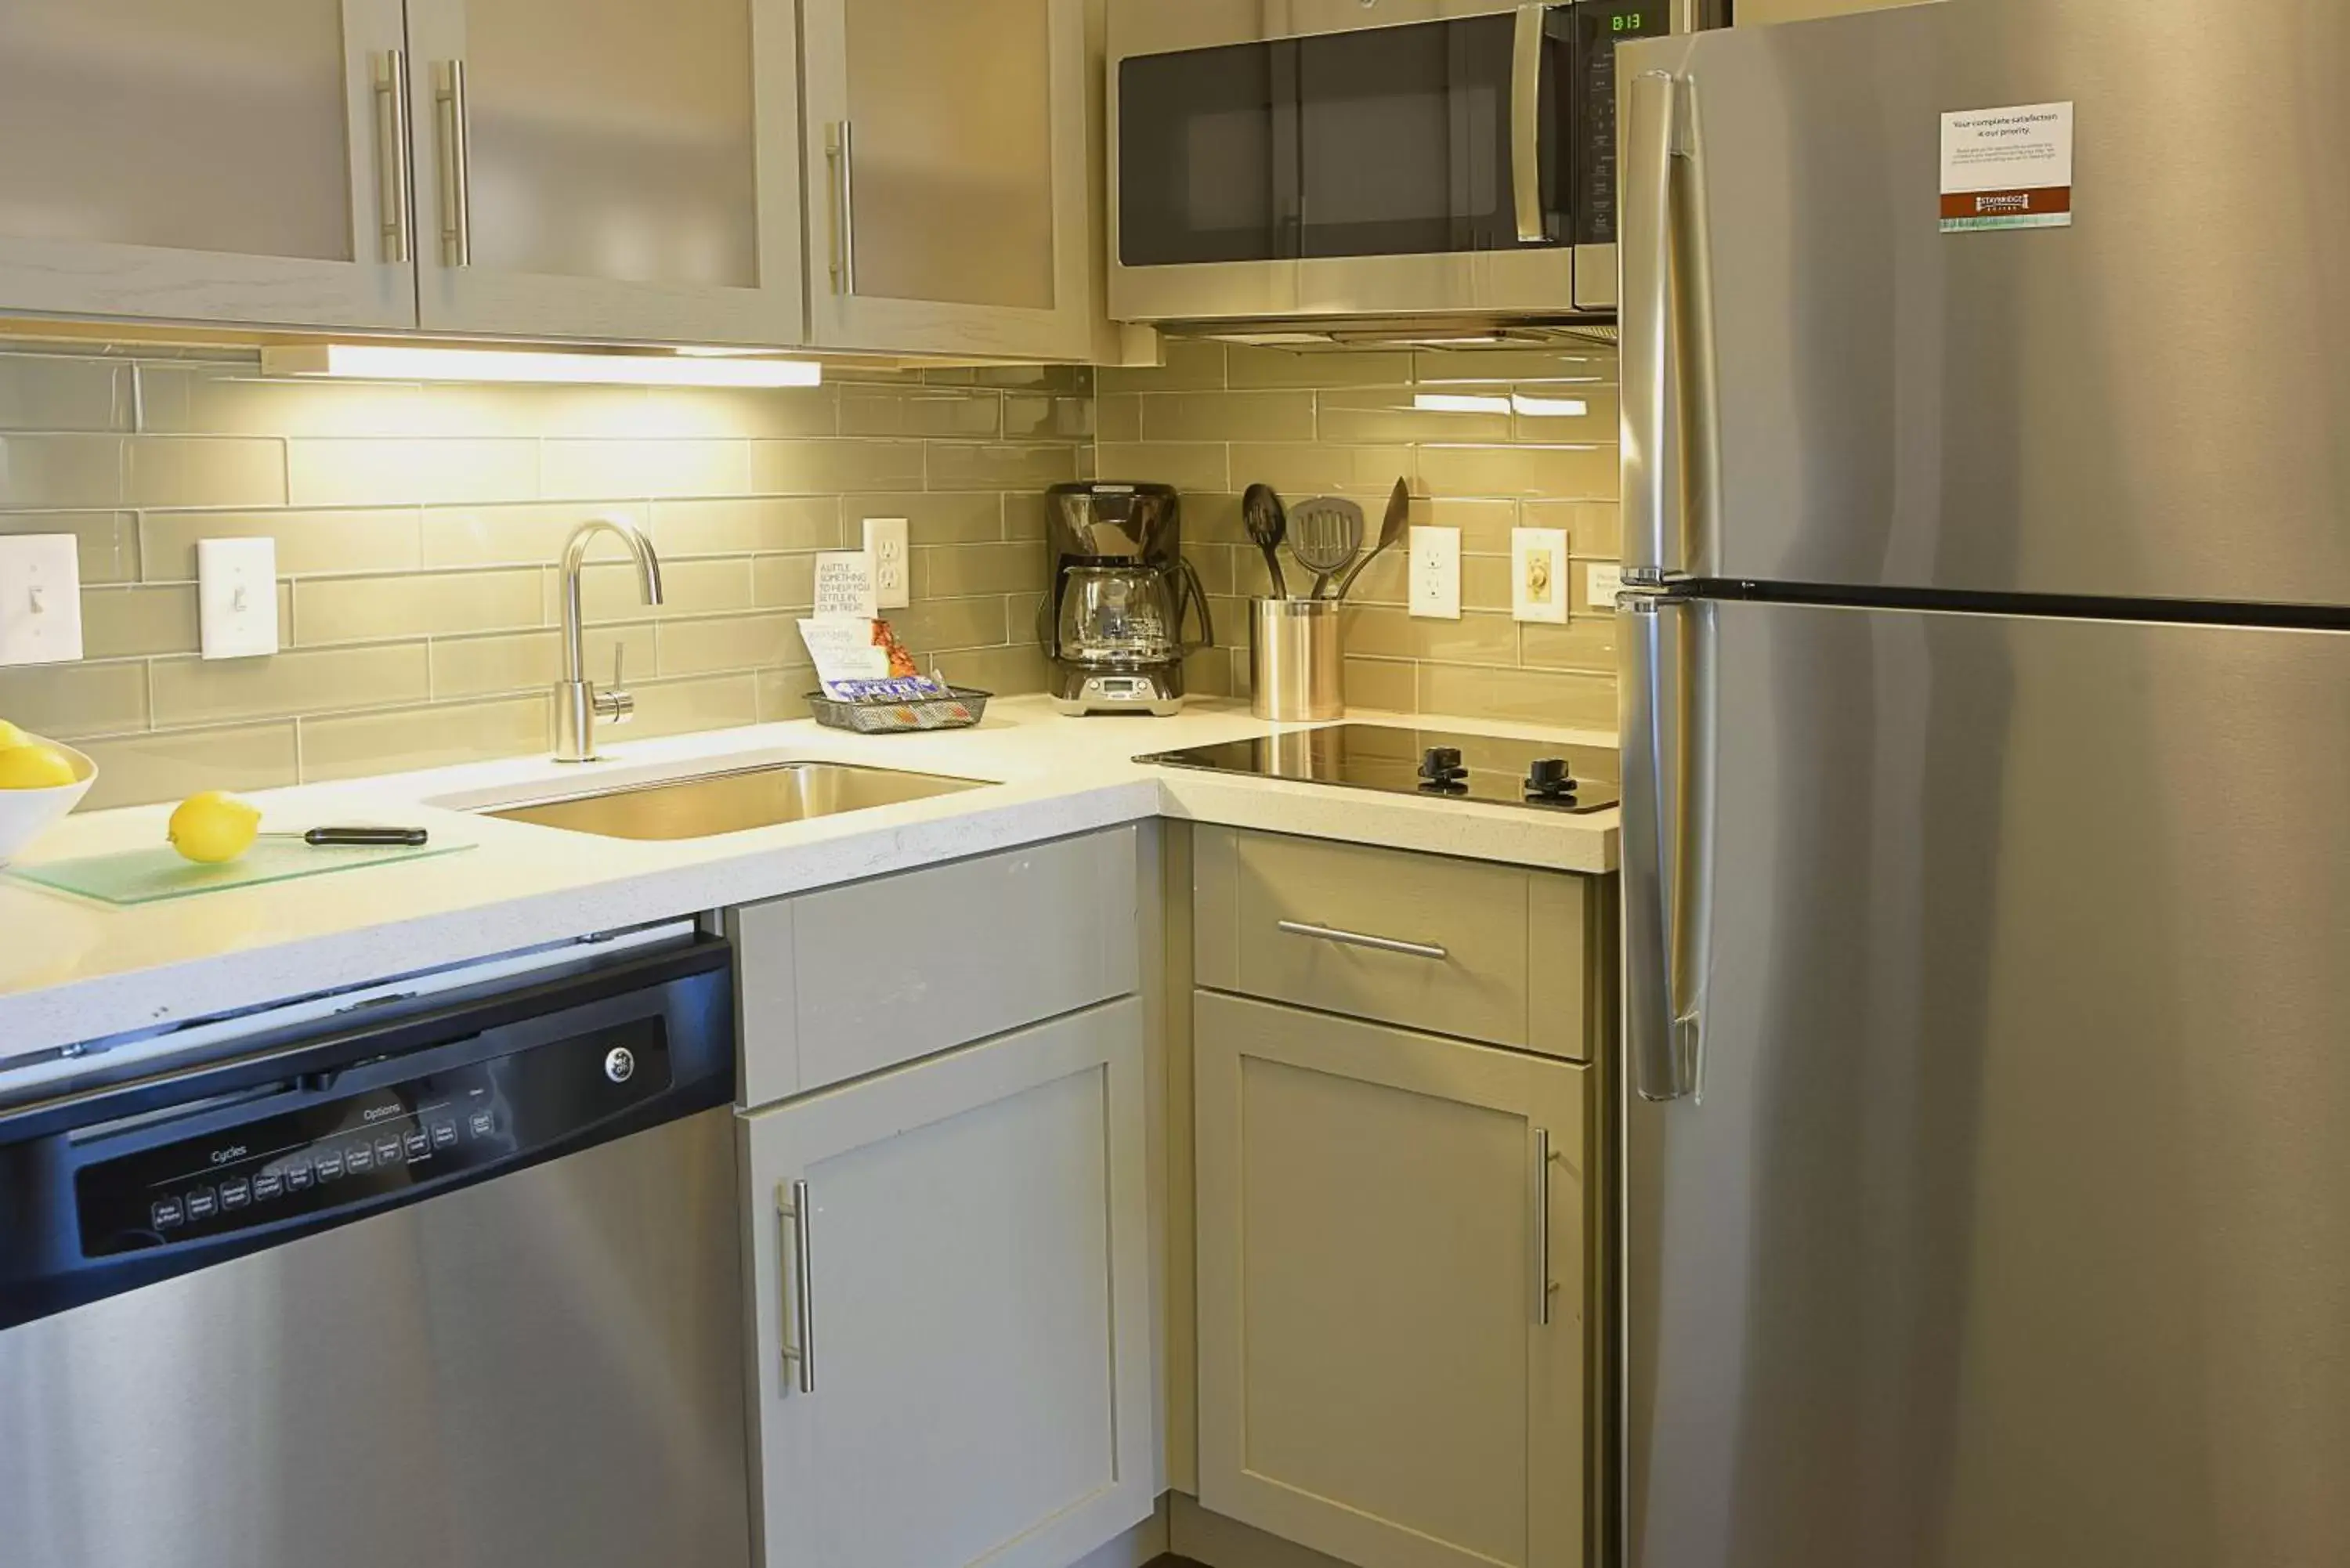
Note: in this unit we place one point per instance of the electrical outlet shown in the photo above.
(40, 598)
(237, 597)
(1602, 581)
(885, 541)
(1436, 572)
(1539, 585)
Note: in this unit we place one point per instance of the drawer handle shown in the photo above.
(799, 1291)
(1545, 1288)
(1359, 939)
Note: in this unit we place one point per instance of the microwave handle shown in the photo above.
(1525, 123)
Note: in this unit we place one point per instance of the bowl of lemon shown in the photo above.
(40, 781)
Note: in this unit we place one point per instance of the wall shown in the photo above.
(417, 529)
(1216, 419)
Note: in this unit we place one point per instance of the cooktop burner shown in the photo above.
(1420, 761)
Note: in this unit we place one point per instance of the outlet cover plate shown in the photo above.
(1436, 572)
(40, 598)
(237, 597)
(885, 541)
(1539, 584)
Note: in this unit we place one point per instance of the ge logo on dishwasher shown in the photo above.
(619, 1064)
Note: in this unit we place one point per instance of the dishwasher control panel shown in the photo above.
(331, 1151)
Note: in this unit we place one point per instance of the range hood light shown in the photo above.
(1516, 402)
(407, 362)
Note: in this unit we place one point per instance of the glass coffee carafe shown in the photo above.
(1113, 616)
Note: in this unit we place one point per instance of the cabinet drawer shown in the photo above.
(846, 980)
(1465, 947)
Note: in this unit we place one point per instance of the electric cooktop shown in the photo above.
(1429, 763)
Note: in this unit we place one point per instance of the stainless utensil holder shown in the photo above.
(1296, 659)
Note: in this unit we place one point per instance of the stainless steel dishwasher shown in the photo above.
(451, 1280)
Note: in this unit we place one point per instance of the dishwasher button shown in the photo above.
(170, 1214)
(485, 1123)
(299, 1175)
(330, 1165)
(420, 1145)
(235, 1194)
(387, 1151)
(266, 1186)
(202, 1204)
(445, 1134)
(358, 1157)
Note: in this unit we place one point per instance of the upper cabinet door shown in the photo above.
(233, 162)
(608, 170)
(948, 202)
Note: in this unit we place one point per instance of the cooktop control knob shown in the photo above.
(1441, 769)
(1549, 779)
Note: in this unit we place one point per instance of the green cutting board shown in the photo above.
(146, 876)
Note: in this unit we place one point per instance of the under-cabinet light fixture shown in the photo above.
(407, 362)
(1516, 402)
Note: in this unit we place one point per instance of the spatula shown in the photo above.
(1391, 532)
(1326, 534)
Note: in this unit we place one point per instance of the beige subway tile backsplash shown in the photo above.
(418, 528)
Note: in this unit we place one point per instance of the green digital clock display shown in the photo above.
(1628, 22)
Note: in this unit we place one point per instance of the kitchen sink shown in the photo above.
(707, 804)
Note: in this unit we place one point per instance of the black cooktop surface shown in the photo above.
(1429, 763)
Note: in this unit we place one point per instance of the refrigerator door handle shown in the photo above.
(1667, 835)
(1670, 452)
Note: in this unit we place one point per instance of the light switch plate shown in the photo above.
(1436, 572)
(237, 597)
(885, 541)
(40, 598)
(1539, 585)
(1602, 581)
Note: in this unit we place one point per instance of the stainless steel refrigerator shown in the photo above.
(1986, 1198)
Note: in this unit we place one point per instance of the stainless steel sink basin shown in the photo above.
(708, 805)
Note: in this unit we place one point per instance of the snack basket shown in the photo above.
(960, 711)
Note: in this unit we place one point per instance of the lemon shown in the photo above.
(35, 766)
(12, 736)
(211, 827)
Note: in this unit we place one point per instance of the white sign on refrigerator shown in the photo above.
(2008, 167)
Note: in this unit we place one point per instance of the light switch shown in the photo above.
(237, 597)
(1539, 585)
(40, 598)
(1436, 572)
(885, 541)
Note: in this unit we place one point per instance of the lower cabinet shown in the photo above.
(1391, 1287)
(950, 1289)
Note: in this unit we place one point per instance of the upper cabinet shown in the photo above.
(608, 170)
(948, 205)
(233, 162)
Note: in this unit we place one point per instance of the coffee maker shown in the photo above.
(1121, 591)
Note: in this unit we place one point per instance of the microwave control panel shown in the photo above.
(1600, 26)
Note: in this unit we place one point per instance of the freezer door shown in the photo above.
(2004, 1221)
(2150, 403)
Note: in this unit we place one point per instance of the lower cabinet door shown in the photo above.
(1379, 1377)
(951, 1288)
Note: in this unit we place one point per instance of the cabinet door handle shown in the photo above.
(456, 164)
(1545, 1288)
(1360, 940)
(395, 169)
(798, 1292)
(840, 155)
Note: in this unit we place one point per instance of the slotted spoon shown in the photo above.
(1326, 534)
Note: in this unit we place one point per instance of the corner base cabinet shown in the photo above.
(1391, 1289)
(951, 1287)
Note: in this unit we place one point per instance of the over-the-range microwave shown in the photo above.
(1399, 161)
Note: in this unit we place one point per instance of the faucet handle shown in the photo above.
(616, 706)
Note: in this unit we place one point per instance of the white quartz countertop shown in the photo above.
(73, 970)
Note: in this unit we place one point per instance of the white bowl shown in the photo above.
(26, 813)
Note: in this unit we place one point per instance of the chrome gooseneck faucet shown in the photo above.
(578, 706)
